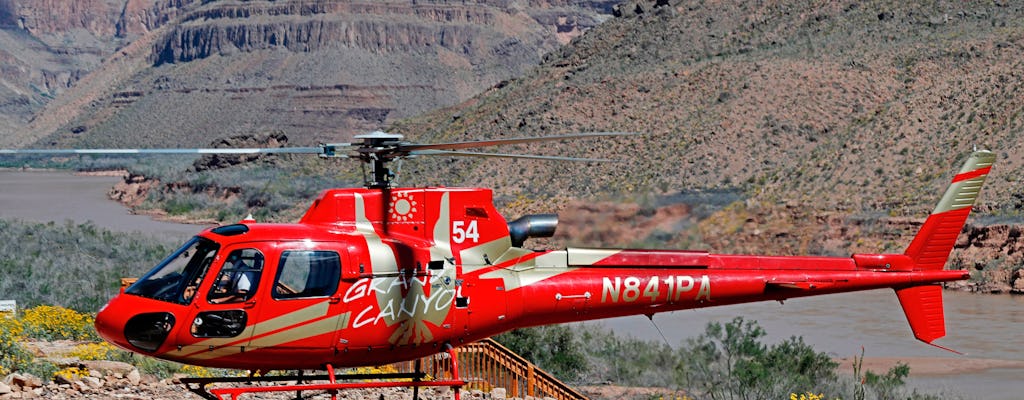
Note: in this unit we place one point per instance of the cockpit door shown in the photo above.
(223, 306)
(301, 307)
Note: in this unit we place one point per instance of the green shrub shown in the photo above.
(553, 347)
(727, 361)
(42, 263)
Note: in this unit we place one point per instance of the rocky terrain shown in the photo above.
(111, 381)
(993, 252)
(102, 379)
(172, 72)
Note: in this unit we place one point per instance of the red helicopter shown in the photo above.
(376, 275)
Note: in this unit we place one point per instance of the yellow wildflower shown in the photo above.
(54, 322)
(72, 374)
(92, 351)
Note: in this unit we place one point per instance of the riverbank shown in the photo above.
(929, 366)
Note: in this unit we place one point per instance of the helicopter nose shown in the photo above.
(110, 323)
(129, 324)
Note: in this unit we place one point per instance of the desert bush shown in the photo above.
(44, 263)
(94, 351)
(270, 192)
(730, 361)
(553, 347)
(14, 357)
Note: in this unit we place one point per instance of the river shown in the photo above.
(984, 327)
(44, 196)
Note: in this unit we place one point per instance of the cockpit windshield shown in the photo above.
(177, 277)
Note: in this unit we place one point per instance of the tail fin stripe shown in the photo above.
(933, 243)
(972, 174)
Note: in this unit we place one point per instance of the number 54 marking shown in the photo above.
(462, 231)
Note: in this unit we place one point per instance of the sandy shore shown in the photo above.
(929, 366)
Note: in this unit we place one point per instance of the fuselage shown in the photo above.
(371, 276)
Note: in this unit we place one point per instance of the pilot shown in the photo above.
(237, 282)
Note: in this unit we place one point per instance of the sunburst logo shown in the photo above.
(403, 207)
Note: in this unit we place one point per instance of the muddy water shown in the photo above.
(44, 196)
(982, 326)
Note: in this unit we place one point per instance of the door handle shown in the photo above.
(334, 300)
(250, 304)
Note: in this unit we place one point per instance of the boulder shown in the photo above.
(80, 386)
(134, 377)
(108, 367)
(93, 382)
(498, 393)
(5, 389)
(1017, 281)
(63, 380)
(26, 381)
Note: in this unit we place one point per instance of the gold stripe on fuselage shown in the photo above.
(309, 313)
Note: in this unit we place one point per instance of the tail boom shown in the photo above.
(579, 284)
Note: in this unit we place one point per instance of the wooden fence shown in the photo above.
(486, 365)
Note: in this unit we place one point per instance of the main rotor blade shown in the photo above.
(499, 142)
(503, 155)
(256, 150)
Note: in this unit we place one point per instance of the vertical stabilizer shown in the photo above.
(933, 243)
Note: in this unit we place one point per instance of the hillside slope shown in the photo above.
(849, 105)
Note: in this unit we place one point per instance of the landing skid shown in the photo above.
(415, 380)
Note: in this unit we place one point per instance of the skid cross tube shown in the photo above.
(415, 380)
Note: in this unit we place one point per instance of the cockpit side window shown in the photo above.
(238, 278)
(304, 273)
(177, 277)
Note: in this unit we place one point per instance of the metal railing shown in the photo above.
(486, 365)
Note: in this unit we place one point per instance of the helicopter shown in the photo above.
(380, 274)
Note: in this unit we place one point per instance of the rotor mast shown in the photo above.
(378, 148)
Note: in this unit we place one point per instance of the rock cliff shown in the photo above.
(318, 70)
(46, 46)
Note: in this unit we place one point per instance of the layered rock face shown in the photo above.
(45, 47)
(61, 16)
(320, 70)
(139, 17)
